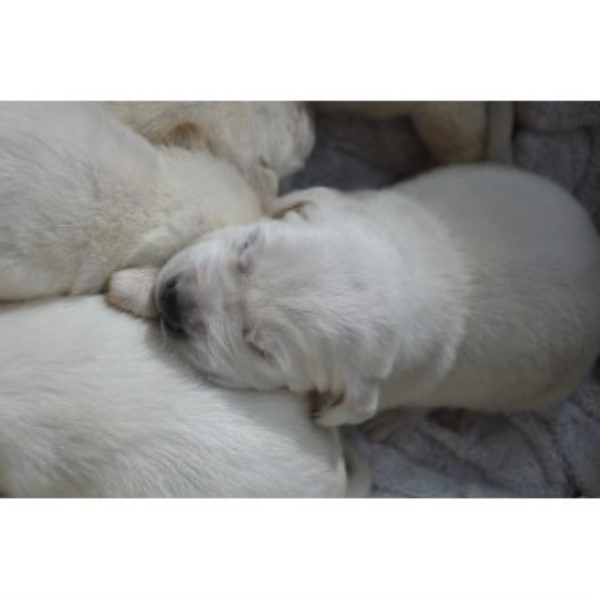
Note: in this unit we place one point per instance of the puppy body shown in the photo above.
(528, 283)
(92, 405)
(473, 286)
(82, 196)
(266, 141)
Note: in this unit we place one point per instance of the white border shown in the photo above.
(266, 49)
(279, 550)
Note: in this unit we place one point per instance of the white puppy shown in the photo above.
(92, 405)
(473, 286)
(266, 141)
(81, 196)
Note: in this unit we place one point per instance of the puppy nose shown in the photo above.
(168, 305)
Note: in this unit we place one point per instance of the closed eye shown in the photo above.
(244, 261)
(248, 241)
(256, 349)
(259, 351)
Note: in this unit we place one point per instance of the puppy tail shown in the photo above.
(500, 131)
(358, 472)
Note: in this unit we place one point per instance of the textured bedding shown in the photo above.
(452, 453)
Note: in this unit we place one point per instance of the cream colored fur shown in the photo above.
(266, 141)
(473, 286)
(92, 404)
(81, 196)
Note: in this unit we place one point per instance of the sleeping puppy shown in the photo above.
(81, 195)
(92, 405)
(454, 132)
(266, 141)
(472, 286)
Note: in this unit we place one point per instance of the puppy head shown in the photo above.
(301, 302)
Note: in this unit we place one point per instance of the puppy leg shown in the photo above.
(354, 406)
(131, 290)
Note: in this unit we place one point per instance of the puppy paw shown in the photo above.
(335, 410)
(131, 290)
(343, 414)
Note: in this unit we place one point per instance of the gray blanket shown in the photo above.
(552, 453)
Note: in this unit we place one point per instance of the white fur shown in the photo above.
(472, 286)
(266, 141)
(91, 404)
(81, 196)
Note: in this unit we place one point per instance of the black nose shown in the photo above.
(168, 305)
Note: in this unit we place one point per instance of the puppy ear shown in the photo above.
(357, 404)
(294, 203)
(185, 135)
(298, 203)
(132, 290)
